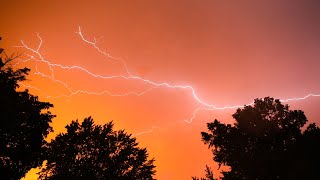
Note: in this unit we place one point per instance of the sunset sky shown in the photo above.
(229, 52)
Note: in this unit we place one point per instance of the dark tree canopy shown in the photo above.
(266, 142)
(24, 123)
(89, 151)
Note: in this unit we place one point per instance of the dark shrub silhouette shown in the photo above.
(89, 151)
(266, 142)
(24, 123)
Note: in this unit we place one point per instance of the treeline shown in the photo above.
(85, 151)
(266, 141)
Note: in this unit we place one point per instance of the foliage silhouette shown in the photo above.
(24, 123)
(89, 151)
(266, 142)
(209, 175)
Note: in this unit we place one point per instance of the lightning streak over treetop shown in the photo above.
(203, 105)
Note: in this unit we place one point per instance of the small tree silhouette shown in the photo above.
(24, 123)
(89, 151)
(266, 142)
(209, 175)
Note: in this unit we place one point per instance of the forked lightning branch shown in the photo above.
(33, 54)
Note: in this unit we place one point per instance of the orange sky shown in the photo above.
(230, 52)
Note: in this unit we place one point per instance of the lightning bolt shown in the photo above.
(148, 131)
(38, 58)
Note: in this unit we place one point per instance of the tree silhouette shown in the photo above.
(24, 123)
(209, 175)
(89, 151)
(266, 142)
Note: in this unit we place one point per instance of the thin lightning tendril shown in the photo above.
(148, 131)
(202, 104)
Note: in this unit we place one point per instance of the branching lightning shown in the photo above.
(38, 58)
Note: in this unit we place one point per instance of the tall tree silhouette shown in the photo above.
(266, 142)
(24, 123)
(89, 151)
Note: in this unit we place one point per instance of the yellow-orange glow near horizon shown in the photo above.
(161, 70)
